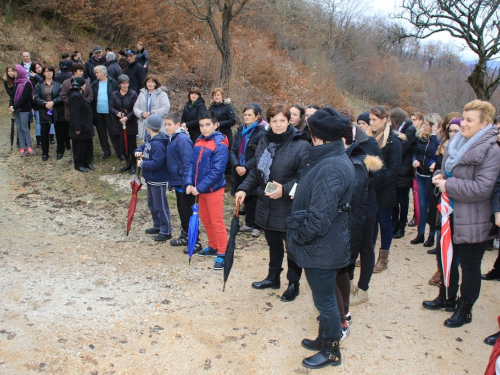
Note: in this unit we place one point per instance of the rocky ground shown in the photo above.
(80, 297)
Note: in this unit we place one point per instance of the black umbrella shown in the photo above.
(12, 126)
(231, 243)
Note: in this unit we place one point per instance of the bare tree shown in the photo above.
(476, 22)
(206, 11)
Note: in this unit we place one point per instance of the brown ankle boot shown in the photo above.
(383, 259)
(436, 278)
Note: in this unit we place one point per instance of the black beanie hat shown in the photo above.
(77, 83)
(365, 116)
(327, 124)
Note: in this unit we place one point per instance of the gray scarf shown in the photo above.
(459, 146)
(266, 160)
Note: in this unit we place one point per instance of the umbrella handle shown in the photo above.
(139, 170)
(238, 202)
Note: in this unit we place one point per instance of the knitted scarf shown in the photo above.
(381, 136)
(459, 145)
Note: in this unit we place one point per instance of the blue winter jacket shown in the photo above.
(154, 162)
(180, 159)
(425, 153)
(210, 156)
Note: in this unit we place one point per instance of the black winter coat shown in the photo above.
(40, 100)
(226, 118)
(136, 74)
(112, 86)
(89, 68)
(124, 103)
(318, 226)
(63, 76)
(10, 91)
(114, 70)
(291, 156)
(25, 102)
(80, 118)
(190, 117)
(252, 144)
(386, 190)
(369, 146)
(405, 176)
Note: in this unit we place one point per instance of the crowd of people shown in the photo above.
(320, 185)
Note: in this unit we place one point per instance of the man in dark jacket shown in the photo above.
(135, 72)
(103, 88)
(65, 72)
(122, 60)
(114, 70)
(95, 60)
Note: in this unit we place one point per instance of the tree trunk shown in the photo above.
(477, 81)
(225, 72)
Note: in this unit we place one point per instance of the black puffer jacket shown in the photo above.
(318, 227)
(124, 103)
(190, 117)
(252, 144)
(40, 100)
(369, 146)
(405, 176)
(386, 190)
(291, 156)
(226, 118)
(80, 116)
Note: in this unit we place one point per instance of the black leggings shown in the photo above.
(367, 255)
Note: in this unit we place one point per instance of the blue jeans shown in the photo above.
(384, 219)
(423, 201)
(322, 284)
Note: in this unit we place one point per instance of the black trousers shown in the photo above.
(470, 256)
(45, 138)
(62, 135)
(104, 127)
(276, 242)
(184, 204)
(83, 152)
(366, 254)
(250, 207)
(400, 212)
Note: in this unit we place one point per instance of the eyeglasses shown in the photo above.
(453, 131)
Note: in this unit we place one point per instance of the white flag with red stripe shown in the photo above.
(446, 239)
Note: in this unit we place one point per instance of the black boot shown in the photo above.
(38, 141)
(128, 166)
(419, 239)
(400, 231)
(133, 168)
(461, 316)
(51, 139)
(395, 226)
(328, 355)
(291, 292)
(440, 302)
(271, 281)
(314, 344)
(429, 242)
(490, 340)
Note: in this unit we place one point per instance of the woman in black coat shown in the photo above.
(280, 155)
(192, 110)
(391, 148)
(121, 106)
(318, 237)
(51, 110)
(225, 113)
(406, 132)
(241, 157)
(81, 130)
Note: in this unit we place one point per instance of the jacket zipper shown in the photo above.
(197, 165)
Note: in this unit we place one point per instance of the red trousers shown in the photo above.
(212, 216)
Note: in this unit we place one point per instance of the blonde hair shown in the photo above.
(487, 110)
(218, 89)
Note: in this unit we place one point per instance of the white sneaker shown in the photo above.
(255, 232)
(345, 331)
(246, 228)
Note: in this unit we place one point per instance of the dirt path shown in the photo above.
(79, 297)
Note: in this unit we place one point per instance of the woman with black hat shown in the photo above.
(81, 130)
(318, 228)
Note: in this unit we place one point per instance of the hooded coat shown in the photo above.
(180, 159)
(470, 186)
(190, 115)
(318, 226)
(154, 162)
(290, 158)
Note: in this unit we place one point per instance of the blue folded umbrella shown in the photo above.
(194, 224)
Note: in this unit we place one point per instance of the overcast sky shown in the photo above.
(384, 7)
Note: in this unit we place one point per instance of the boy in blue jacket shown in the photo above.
(180, 167)
(210, 156)
(152, 158)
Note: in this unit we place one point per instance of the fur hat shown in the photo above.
(327, 124)
(154, 123)
(365, 116)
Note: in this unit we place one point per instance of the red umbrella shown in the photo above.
(416, 205)
(446, 240)
(495, 354)
(136, 185)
